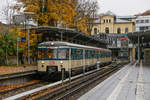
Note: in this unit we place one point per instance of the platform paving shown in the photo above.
(130, 83)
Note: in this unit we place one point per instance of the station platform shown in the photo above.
(130, 83)
(4, 70)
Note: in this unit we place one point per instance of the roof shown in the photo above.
(122, 21)
(126, 17)
(98, 20)
(143, 34)
(110, 13)
(144, 14)
(59, 43)
(70, 35)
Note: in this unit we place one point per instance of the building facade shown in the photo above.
(115, 29)
(142, 23)
(110, 23)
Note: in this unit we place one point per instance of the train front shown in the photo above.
(52, 59)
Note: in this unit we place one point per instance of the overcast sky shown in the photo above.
(119, 7)
(124, 7)
(3, 3)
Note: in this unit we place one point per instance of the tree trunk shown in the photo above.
(6, 56)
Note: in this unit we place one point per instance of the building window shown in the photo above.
(144, 28)
(109, 21)
(142, 21)
(147, 21)
(118, 30)
(106, 30)
(95, 30)
(137, 21)
(104, 20)
(126, 30)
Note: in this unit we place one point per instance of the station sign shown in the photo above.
(123, 38)
(23, 39)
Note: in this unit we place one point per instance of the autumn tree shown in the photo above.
(64, 13)
(7, 33)
(50, 12)
(86, 13)
(7, 45)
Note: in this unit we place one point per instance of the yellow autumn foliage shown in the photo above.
(60, 12)
(53, 12)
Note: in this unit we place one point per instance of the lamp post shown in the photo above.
(142, 41)
(62, 71)
(17, 20)
(138, 47)
(142, 47)
(83, 63)
(25, 14)
(22, 18)
(70, 65)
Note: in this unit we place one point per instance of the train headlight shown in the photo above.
(43, 62)
(61, 62)
(52, 43)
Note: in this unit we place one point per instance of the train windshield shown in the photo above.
(52, 53)
(63, 53)
(42, 53)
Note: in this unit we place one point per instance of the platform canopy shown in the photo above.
(143, 35)
(69, 35)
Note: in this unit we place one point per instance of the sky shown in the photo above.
(119, 7)
(124, 7)
(3, 4)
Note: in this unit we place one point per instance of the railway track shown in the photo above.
(63, 91)
(96, 80)
(15, 89)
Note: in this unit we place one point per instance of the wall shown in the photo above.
(113, 26)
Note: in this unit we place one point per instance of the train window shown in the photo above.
(42, 53)
(63, 53)
(73, 54)
(89, 54)
(93, 52)
(102, 54)
(78, 54)
(81, 54)
(52, 53)
(97, 54)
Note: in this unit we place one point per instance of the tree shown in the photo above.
(86, 13)
(8, 34)
(64, 13)
(7, 45)
(50, 12)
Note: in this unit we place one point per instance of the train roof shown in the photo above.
(59, 43)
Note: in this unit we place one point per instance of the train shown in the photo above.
(56, 56)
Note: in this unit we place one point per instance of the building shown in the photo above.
(142, 23)
(114, 29)
(110, 23)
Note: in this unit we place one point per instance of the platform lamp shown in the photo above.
(142, 45)
(26, 18)
(17, 20)
(138, 47)
(62, 71)
(69, 68)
